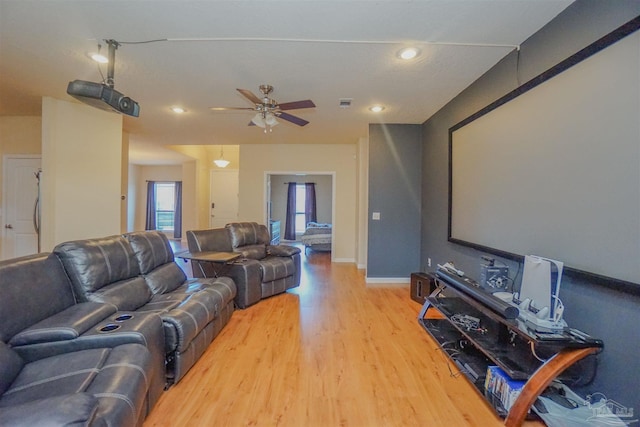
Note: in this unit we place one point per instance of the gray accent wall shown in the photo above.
(598, 310)
(395, 170)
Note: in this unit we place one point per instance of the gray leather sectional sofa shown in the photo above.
(264, 269)
(92, 333)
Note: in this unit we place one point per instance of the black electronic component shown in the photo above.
(103, 97)
(422, 284)
(497, 305)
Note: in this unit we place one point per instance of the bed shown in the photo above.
(317, 237)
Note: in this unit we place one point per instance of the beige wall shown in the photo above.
(19, 135)
(189, 198)
(132, 196)
(81, 162)
(195, 177)
(197, 174)
(82, 159)
(258, 160)
(363, 201)
(124, 182)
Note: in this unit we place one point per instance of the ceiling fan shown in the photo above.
(267, 109)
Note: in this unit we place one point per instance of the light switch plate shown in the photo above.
(375, 216)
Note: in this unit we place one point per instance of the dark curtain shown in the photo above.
(151, 206)
(310, 203)
(290, 223)
(177, 213)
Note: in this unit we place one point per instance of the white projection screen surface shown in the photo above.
(555, 171)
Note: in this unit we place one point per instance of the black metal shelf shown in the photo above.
(493, 340)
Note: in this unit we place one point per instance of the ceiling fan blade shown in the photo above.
(230, 108)
(307, 103)
(250, 96)
(291, 118)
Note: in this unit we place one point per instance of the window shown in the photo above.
(165, 205)
(301, 198)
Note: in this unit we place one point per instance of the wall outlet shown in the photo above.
(428, 262)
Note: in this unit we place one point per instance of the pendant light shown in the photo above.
(221, 162)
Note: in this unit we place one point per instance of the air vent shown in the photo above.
(345, 102)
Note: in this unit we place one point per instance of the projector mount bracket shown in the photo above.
(113, 45)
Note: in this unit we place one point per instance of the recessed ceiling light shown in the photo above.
(408, 53)
(376, 108)
(178, 110)
(98, 57)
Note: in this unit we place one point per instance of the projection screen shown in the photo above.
(553, 169)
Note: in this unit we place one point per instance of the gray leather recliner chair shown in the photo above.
(68, 363)
(264, 269)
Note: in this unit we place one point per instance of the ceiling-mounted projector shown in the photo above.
(103, 95)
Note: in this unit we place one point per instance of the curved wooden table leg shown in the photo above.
(541, 379)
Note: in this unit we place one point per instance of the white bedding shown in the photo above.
(317, 236)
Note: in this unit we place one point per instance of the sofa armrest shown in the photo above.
(65, 325)
(245, 273)
(282, 250)
(66, 410)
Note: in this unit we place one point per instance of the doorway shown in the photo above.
(276, 197)
(20, 208)
(223, 197)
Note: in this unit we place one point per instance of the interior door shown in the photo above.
(224, 197)
(20, 189)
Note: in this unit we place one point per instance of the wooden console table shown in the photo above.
(507, 342)
(219, 259)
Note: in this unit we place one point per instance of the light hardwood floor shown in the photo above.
(332, 352)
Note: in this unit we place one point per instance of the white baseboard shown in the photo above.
(344, 260)
(387, 281)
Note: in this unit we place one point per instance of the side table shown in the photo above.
(218, 260)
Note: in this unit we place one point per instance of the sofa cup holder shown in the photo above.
(124, 317)
(109, 327)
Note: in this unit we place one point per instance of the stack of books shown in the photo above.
(500, 386)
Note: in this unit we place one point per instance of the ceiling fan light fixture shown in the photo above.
(259, 121)
(268, 111)
(270, 120)
(265, 121)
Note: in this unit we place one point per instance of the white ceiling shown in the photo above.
(318, 50)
